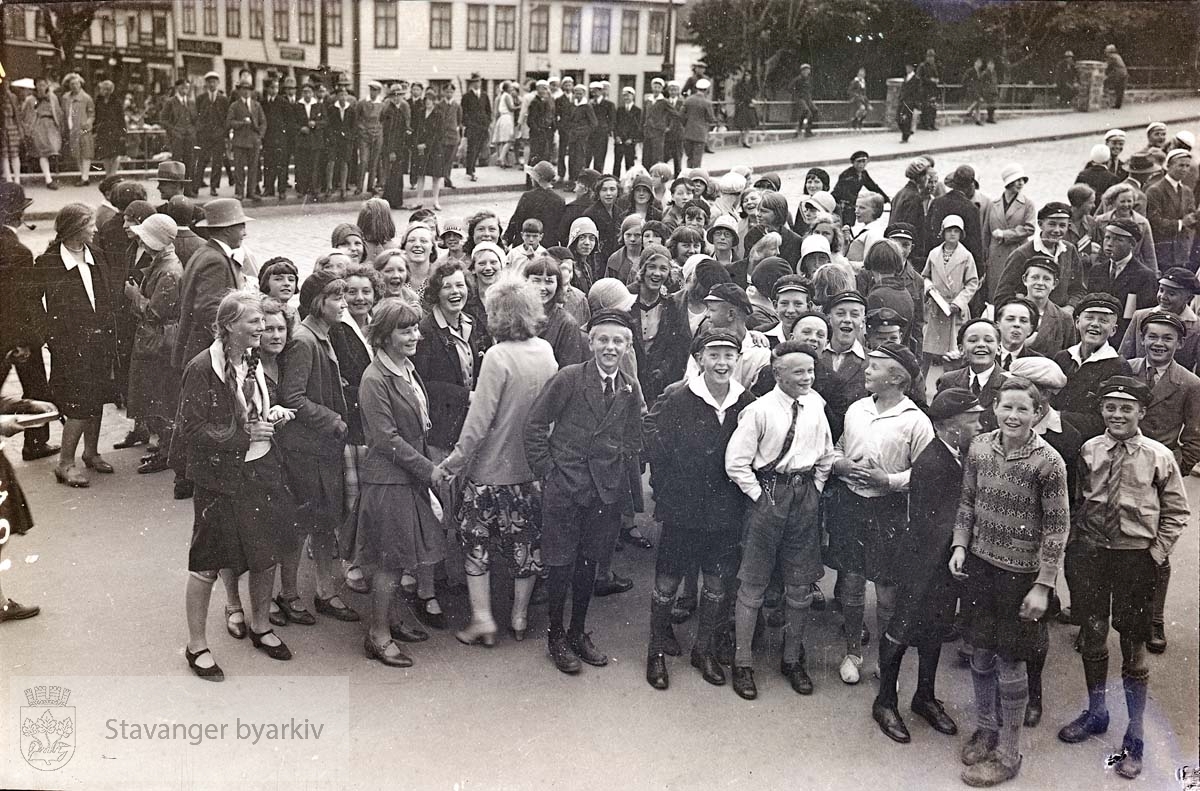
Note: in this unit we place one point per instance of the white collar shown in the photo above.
(238, 255)
(696, 385)
(1040, 246)
(953, 450)
(72, 260)
(903, 405)
(217, 352)
(403, 368)
(1171, 181)
(465, 323)
(1051, 422)
(1105, 352)
(856, 349)
(982, 378)
(1123, 262)
(349, 321)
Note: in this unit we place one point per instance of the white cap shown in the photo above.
(594, 85)
(1111, 133)
(952, 221)
(1178, 153)
(1100, 154)
(814, 243)
(703, 85)
(1186, 138)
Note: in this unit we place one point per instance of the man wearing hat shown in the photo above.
(911, 202)
(310, 142)
(1095, 173)
(698, 119)
(803, 107)
(1133, 509)
(1115, 75)
(281, 129)
(246, 118)
(539, 202)
(368, 122)
(780, 456)
(1142, 170)
(1171, 209)
(476, 117)
(910, 101)
(564, 100)
(1156, 135)
(542, 120)
(216, 268)
(884, 434)
(178, 118)
(728, 308)
(1053, 220)
(655, 123)
(627, 131)
(1067, 78)
(1187, 141)
(583, 429)
(1176, 288)
(925, 592)
(1122, 273)
(851, 182)
(212, 109)
(577, 123)
(21, 314)
(1115, 140)
(686, 436)
(172, 180)
(606, 116)
(340, 138)
(1090, 362)
(961, 186)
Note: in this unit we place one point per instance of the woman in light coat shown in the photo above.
(1007, 223)
(950, 274)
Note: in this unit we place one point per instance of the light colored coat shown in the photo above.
(957, 280)
(1017, 225)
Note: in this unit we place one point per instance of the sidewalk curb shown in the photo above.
(759, 169)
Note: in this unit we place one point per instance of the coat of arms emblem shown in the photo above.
(47, 728)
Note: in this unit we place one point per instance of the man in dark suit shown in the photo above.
(698, 119)
(926, 593)
(542, 119)
(578, 124)
(1172, 418)
(212, 108)
(248, 123)
(310, 138)
(1171, 209)
(540, 202)
(178, 118)
(21, 317)
(605, 112)
(339, 139)
(627, 131)
(1123, 274)
(476, 117)
(673, 139)
(277, 140)
(584, 429)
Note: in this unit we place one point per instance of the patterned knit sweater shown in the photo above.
(1014, 511)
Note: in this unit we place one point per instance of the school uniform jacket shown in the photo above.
(987, 393)
(1135, 279)
(1165, 207)
(588, 452)
(840, 388)
(1078, 401)
(1173, 417)
(1188, 353)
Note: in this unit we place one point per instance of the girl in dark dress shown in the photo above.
(560, 330)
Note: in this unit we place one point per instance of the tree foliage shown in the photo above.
(66, 24)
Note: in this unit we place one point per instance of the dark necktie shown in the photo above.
(1112, 513)
(1151, 376)
(248, 390)
(610, 394)
(787, 439)
(1006, 364)
(975, 388)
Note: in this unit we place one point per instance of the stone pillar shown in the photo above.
(1090, 95)
(892, 104)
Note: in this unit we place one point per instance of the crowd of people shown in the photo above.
(425, 403)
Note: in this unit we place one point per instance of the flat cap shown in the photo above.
(1162, 317)
(1054, 209)
(1124, 228)
(1099, 301)
(713, 339)
(901, 354)
(1181, 278)
(730, 293)
(885, 319)
(951, 402)
(611, 316)
(1042, 262)
(1042, 371)
(1125, 387)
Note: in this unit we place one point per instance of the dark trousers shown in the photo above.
(183, 149)
(623, 153)
(277, 173)
(673, 151)
(306, 171)
(541, 146)
(578, 156)
(564, 144)
(1116, 84)
(806, 115)
(929, 115)
(695, 152)
(598, 151)
(904, 119)
(476, 144)
(212, 154)
(338, 167)
(245, 171)
(652, 149)
(32, 374)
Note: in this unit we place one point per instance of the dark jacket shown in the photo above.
(608, 225)
(339, 128)
(110, 126)
(476, 111)
(542, 204)
(178, 117)
(954, 202)
(312, 385)
(987, 394)
(578, 121)
(436, 360)
(281, 121)
(353, 359)
(627, 125)
(839, 388)
(1173, 416)
(570, 213)
(1078, 401)
(908, 205)
(686, 445)
(668, 356)
(21, 314)
(310, 126)
(846, 190)
(606, 114)
(207, 276)
(563, 335)
(588, 452)
(209, 429)
(210, 117)
(1098, 177)
(1135, 279)
(1070, 288)
(249, 124)
(396, 450)
(542, 117)
(1165, 208)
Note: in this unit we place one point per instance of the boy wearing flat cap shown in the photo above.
(584, 429)
(1176, 288)
(1090, 362)
(1121, 273)
(841, 367)
(700, 507)
(727, 308)
(883, 434)
(926, 593)
(1134, 508)
(1053, 219)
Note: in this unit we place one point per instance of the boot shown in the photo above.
(662, 636)
(522, 593)
(482, 628)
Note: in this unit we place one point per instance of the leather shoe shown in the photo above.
(379, 652)
(1158, 639)
(184, 489)
(890, 722)
(798, 676)
(133, 439)
(292, 611)
(1084, 726)
(327, 607)
(213, 673)
(641, 542)
(39, 450)
(818, 598)
(560, 652)
(71, 476)
(1033, 713)
(656, 671)
(434, 620)
(11, 611)
(776, 618)
(581, 645)
(933, 712)
(406, 635)
(991, 772)
(277, 617)
(743, 683)
(979, 747)
(710, 669)
(280, 651)
(156, 463)
(98, 464)
(614, 584)
(1129, 765)
(236, 629)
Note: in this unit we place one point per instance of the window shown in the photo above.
(506, 27)
(256, 18)
(158, 30)
(571, 24)
(441, 17)
(386, 24)
(280, 20)
(233, 18)
(210, 18)
(308, 21)
(539, 29)
(333, 23)
(477, 26)
(14, 21)
(656, 42)
(629, 32)
(108, 31)
(601, 29)
(187, 18)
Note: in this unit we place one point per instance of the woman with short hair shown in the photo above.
(560, 330)
(349, 238)
(392, 266)
(378, 227)
(420, 252)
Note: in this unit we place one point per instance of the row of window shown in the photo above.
(306, 18)
(144, 28)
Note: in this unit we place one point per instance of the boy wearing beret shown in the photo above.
(1133, 509)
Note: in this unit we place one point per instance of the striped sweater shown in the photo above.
(1014, 511)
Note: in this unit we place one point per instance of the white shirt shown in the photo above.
(698, 386)
(982, 378)
(262, 401)
(1040, 247)
(73, 261)
(755, 356)
(762, 427)
(836, 360)
(238, 256)
(1105, 352)
(892, 439)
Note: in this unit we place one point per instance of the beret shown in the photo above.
(901, 354)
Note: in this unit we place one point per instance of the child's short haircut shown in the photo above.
(532, 225)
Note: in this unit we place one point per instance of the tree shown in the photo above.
(65, 24)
